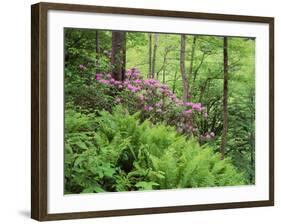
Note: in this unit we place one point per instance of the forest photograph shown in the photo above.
(157, 111)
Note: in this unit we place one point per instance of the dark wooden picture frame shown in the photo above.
(39, 106)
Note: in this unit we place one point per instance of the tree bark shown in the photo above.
(154, 55)
(252, 139)
(225, 96)
(198, 68)
(183, 71)
(97, 52)
(149, 54)
(192, 57)
(164, 74)
(118, 55)
(163, 66)
(174, 82)
(190, 72)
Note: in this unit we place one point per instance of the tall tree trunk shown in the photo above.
(252, 140)
(225, 96)
(154, 55)
(191, 62)
(163, 66)
(174, 82)
(182, 68)
(149, 54)
(118, 55)
(164, 74)
(97, 52)
(198, 68)
(192, 56)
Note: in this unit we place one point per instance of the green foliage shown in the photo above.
(92, 97)
(123, 152)
(115, 152)
(80, 48)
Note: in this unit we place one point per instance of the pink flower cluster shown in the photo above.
(132, 73)
(156, 100)
(132, 83)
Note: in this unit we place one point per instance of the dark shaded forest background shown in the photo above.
(214, 76)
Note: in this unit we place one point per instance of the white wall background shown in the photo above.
(15, 112)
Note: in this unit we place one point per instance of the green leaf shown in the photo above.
(146, 185)
(98, 189)
(93, 189)
(88, 190)
(81, 145)
(79, 160)
(108, 171)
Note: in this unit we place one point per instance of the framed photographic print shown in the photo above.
(139, 111)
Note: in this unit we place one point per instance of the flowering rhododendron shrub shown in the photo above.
(156, 102)
(181, 116)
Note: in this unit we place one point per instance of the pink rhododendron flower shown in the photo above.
(130, 86)
(187, 112)
(133, 88)
(116, 82)
(141, 97)
(98, 76)
(112, 81)
(137, 81)
(196, 106)
(158, 104)
(148, 108)
(173, 96)
(164, 86)
(103, 81)
(187, 104)
(132, 73)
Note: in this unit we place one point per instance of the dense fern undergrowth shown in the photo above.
(117, 151)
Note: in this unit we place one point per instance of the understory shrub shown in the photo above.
(89, 97)
(157, 102)
(117, 152)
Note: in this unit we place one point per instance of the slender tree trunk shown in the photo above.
(198, 68)
(149, 54)
(154, 55)
(225, 96)
(174, 82)
(164, 74)
(163, 67)
(182, 68)
(97, 52)
(252, 139)
(164, 64)
(191, 62)
(252, 159)
(192, 56)
(118, 55)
